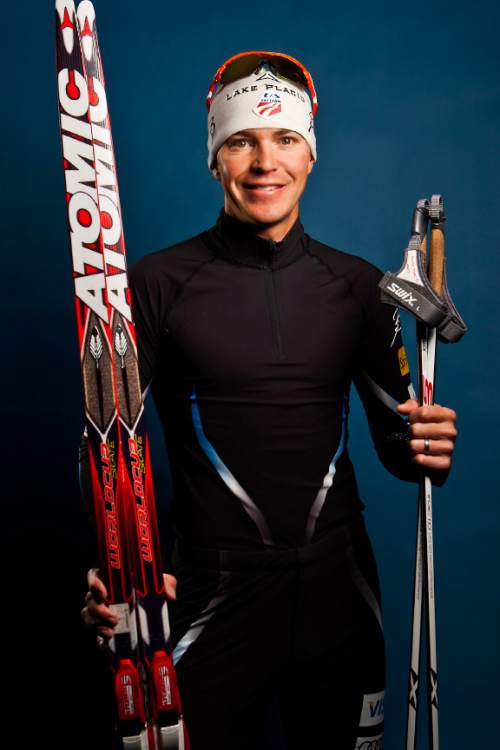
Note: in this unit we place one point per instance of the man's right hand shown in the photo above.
(98, 616)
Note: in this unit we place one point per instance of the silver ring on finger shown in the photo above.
(426, 445)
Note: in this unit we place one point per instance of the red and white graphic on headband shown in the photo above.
(269, 104)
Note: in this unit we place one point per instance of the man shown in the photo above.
(250, 336)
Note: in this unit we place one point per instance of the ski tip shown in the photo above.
(86, 20)
(66, 12)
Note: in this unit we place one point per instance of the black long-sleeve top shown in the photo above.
(250, 348)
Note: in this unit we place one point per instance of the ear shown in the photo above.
(310, 165)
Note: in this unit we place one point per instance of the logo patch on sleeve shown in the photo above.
(369, 743)
(403, 361)
(372, 711)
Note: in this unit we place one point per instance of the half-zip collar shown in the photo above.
(238, 242)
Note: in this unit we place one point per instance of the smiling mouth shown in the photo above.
(263, 188)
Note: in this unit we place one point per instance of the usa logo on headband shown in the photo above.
(268, 105)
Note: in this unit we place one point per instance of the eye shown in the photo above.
(288, 139)
(237, 142)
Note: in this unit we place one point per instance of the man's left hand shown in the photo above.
(432, 433)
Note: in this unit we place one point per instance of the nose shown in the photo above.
(264, 157)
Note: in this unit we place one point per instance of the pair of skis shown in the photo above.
(148, 708)
(420, 287)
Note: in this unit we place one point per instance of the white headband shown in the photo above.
(263, 99)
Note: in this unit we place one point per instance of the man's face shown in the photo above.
(263, 173)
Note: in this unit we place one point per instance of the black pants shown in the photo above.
(303, 621)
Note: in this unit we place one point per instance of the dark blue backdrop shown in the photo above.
(408, 106)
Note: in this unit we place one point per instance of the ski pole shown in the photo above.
(427, 350)
(427, 297)
(420, 220)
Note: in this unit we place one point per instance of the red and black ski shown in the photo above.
(147, 697)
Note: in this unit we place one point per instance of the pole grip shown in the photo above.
(436, 250)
